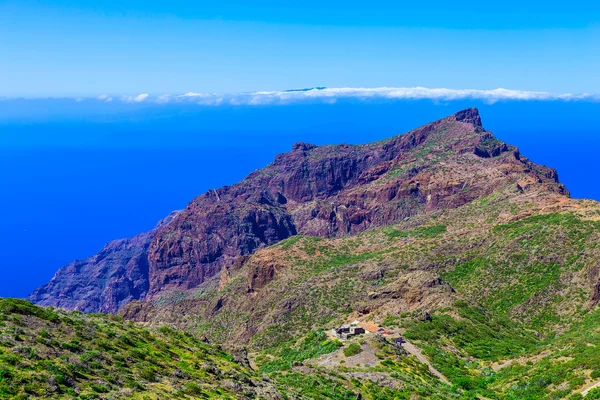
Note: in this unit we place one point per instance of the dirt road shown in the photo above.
(412, 349)
(589, 387)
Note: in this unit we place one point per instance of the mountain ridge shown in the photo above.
(324, 191)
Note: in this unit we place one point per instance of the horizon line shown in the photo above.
(325, 95)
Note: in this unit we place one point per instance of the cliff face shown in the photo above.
(326, 191)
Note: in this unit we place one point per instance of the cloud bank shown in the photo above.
(382, 93)
(331, 95)
(135, 99)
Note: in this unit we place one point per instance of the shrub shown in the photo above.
(148, 374)
(23, 307)
(99, 388)
(352, 350)
(5, 375)
(593, 394)
(73, 346)
(192, 389)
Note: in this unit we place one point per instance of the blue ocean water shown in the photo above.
(72, 179)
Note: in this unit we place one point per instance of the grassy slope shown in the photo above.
(525, 286)
(522, 303)
(49, 353)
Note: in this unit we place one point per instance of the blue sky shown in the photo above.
(88, 48)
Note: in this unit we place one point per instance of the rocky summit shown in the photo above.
(322, 191)
(437, 264)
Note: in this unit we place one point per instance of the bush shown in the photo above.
(99, 388)
(148, 374)
(192, 389)
(5, 375)
(352, 350)
(23, 307)
(73, 346)
(593, 394)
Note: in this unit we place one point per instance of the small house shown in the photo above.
(347, 331)
(342, 329)
(383, 331)
(357, 330)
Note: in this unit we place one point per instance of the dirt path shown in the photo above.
(589, 387)
(412, 349)
(365, 358)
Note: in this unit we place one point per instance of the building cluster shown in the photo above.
(347, 331)
(356, 328)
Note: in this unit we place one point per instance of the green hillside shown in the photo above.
(47, 353)
(507, 286)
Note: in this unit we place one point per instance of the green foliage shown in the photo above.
(313, 345)
(148, 374)
(593, 394)
(480, 335)
(352, 350)
(192, 389)
(59, 354)
(23, 307)
(289, 242)
(314, 386)
(422, 232)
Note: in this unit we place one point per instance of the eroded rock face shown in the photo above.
(325, 191)
(320, 191)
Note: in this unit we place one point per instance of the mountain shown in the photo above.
(325, 191)
(444, 236)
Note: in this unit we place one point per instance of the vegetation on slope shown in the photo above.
(49, 353)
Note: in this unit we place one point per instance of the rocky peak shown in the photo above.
(469, 116)
(300, 146)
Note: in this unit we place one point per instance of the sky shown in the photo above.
(54, 48)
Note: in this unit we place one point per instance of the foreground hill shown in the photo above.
(49, 353)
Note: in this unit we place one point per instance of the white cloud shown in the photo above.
(332, 95)
(165, 98)
(135, 99)
(415, 93)
(141, 97)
